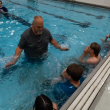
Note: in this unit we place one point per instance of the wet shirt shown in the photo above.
(35, 45)
(65, 88)
(69, 88)
(4, 9)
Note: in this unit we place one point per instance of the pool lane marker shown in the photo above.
(97, 17)
(83, 25)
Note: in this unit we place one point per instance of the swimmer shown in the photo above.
(3, 9)
(104, 41)
(73, 75)
(42, 102)
(93, 50)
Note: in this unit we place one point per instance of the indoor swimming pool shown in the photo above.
(73, 26)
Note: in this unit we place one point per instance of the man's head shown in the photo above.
(74, 71)
(0, 3)
(95, 48)
(37, 25)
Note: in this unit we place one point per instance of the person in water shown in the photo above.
(93, 50)
(3, 9)
(42, 102)
(73, 76)
(106, 41)
(34, 41)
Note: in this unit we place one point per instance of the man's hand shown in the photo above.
(1, 11)
(64, 49)
(9, 64)
(55, 44)
(107, 36)
(86, 50)
(15, 58)
(64, 74)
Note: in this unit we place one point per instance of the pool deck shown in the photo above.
(94, 3)
(84, 96)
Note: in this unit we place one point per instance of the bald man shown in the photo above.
(34, 41)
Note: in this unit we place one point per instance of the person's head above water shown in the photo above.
(37, 25)
(74, 71)
(0, 4)
(42, 102)
(95, 48)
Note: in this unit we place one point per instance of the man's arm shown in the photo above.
(81, 59)
(103, 41)
(107, 36)
(55, 44)
(15, 58)
(60, 78)
(4, 10)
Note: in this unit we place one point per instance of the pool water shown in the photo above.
(73, 26)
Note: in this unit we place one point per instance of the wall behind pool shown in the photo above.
(105, 3)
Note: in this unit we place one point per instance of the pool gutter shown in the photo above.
(84, 96)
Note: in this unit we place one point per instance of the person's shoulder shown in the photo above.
(93, 60)
(26, 32)
(4, 8)
(55, 106)
(45, 29)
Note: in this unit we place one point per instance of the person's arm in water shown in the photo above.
(60, 78)
(4, 10)
(107, 45)
(81, 59)
(15, 58)
(55, 44)
(107, 36)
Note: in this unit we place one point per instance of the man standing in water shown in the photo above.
(34, 41)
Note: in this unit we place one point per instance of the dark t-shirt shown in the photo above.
(4, 9)
(35, 45)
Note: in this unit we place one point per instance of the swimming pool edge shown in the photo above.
(88, 4)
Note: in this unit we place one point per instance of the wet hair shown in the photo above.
(1, 1)
(42, 102)
(96, 47)
(75, 71)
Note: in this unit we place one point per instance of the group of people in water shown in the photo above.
(34, 41)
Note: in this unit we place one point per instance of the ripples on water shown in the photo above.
(20, 84)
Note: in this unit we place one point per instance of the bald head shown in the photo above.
(37, 25)
(37, 19)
